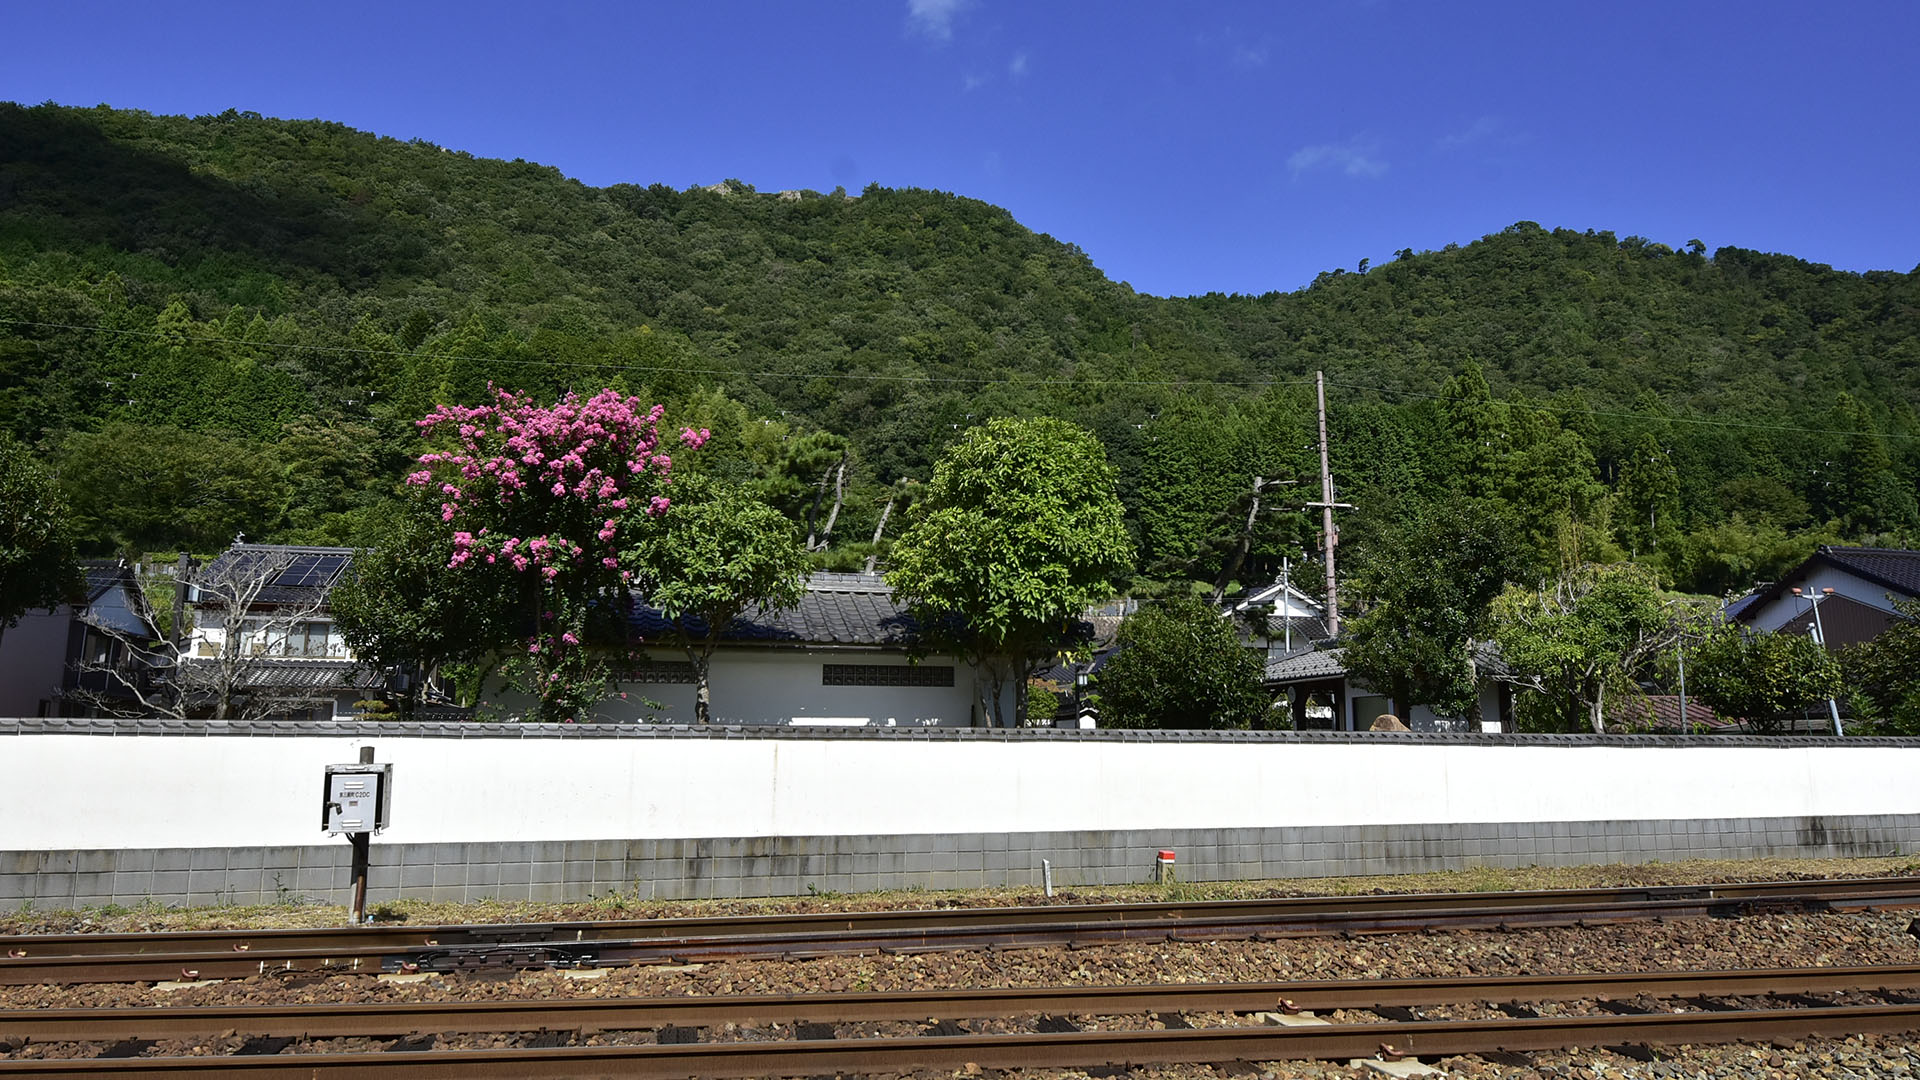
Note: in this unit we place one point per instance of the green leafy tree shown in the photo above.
(1648, 521)
(1477, 432)
(1582, 638)
(716, 554)
(138, 488)
(537, 502)
(37, 564)
(1765, 679)
(1018, 532)
(400, 608)
(1181, 665)
(1431, 575)
(1883, 677)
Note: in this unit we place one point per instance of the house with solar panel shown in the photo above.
(263, 643)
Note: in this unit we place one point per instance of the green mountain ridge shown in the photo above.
(297, 292)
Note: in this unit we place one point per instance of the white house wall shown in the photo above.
(33, 659)
(1789, 607)
(782, 686)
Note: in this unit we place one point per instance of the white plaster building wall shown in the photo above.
(82, 792)
(1790, 607)
(782, 686)
(33, 659)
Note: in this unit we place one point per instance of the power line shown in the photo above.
(609, 365)
(955, 380)
(1650, 417)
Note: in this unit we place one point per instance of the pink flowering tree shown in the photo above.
(540, 500)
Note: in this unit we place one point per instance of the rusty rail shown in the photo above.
(1837, 892)
(625, 1014)
(1084, 1049)
(66, 959)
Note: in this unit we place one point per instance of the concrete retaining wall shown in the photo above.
(94, 812)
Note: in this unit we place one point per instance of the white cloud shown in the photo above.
(1018, 65)
(1251, 56)
(1482, 129)
(1356, 157)
(934, 18)
(971, 82)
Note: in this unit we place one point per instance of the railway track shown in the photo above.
(1710, 1018)
(30, 960)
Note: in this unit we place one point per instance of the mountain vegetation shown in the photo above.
(231, 323)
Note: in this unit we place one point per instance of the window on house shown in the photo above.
(313, 639)
(661, 671)
(885, 675)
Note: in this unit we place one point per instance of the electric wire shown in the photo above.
(953, 380)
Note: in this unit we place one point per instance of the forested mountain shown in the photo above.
(228, 323)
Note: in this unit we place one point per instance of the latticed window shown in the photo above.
(665, 671)
(885, 675)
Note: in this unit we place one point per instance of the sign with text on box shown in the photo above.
(356, 798)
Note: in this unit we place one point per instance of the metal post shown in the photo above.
(1820, 639)
(1686, 727)
(1286, 603)
(362, 845)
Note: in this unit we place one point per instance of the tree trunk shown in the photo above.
(702, 695)
(878, 530)
(1240, 549)
(839, 497)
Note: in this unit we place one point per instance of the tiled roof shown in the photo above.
(305, 675)
(1661, 712)
(1310, 663)
(1737, 607)
(1895, 568)
(300, 575)
(837, 609)
(1305, 628)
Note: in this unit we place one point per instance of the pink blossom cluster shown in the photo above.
(553, 482)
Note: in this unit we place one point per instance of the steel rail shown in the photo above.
(21, 966)
(625, 1014)
(1838, 892)
(1064, 1050)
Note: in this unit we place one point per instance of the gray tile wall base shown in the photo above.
(798, 865)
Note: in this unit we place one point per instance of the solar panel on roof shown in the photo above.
(310, 571)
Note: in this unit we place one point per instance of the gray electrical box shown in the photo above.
(356, 798)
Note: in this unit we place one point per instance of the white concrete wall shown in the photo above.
(782, 686)
(66, 792)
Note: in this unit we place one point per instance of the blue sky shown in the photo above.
(1234, 147)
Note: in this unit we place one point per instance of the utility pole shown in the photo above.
(1820, 639)
(1330, 537)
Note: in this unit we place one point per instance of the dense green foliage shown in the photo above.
(1181, 665)
(1432, 575)
(37, 566)
(229, 323)
(1019, 531)
(1882, 678)
(716, 554)
(1581, 640)
(1769, 680)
